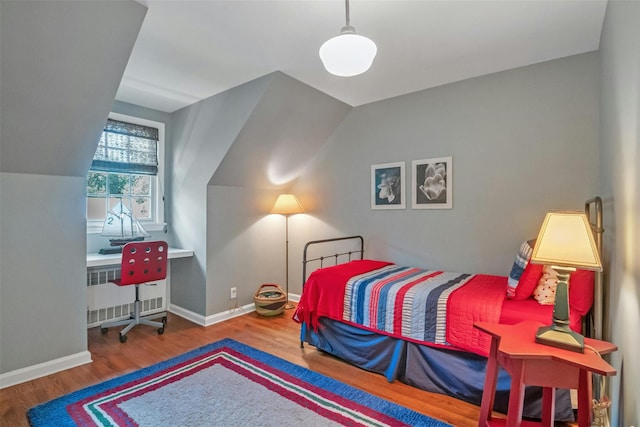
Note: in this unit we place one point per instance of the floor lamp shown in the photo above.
(287, 204)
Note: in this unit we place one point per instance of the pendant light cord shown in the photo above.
(346, 8)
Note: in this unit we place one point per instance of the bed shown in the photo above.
(415, 325)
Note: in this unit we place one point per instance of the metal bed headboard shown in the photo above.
(335, 256)
(593, 210)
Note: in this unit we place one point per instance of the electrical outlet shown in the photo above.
(234, 293)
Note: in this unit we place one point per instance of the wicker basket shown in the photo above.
(270, 299)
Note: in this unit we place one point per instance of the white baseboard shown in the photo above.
(214, 318)
(42, 369)
(218, 317)
(294, 297)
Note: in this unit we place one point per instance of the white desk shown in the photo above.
(98, 260)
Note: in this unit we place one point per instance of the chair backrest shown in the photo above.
(144, 262)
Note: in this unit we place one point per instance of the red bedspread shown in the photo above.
(480, 300)
(323, 294)
(447, 302)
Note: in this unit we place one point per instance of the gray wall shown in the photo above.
(245, 245)
(523, 142)
(61, 65)
(289, 125)
(202, 134)
(620, 189)
(232, 154)
(42, 269)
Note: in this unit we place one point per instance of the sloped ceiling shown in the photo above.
(190, 50)
(286, 129)
(61, 64)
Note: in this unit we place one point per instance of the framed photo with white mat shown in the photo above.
(432, 183)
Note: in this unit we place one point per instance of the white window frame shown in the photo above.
(158, 223)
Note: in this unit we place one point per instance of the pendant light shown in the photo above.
(348, 54)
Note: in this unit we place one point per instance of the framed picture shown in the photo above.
(387, 186)
(432, 183)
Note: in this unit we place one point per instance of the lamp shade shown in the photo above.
(287, 204)
(566, 240)
(348, 54)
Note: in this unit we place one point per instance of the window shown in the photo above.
(127, 167)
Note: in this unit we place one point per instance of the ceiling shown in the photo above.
(190, 50)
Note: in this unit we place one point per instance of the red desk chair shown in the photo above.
(142, 263)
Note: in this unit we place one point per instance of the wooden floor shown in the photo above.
(275, 335)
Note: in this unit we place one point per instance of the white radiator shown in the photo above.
(106, 301)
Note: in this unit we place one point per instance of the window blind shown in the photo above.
(127, 148)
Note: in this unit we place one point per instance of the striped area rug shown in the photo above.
(224, 384)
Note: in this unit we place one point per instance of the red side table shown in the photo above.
(530, 363)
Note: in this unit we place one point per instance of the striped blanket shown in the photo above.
(425, 306)
(403, 301)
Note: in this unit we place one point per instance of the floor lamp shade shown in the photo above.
(287, 204)
(565, 242)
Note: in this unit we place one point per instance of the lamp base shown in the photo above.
(561, 338)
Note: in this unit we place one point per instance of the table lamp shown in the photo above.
(565, 242)
(287, 204)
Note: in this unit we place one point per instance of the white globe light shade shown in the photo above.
(348, 54)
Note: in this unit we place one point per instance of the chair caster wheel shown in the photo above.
(123, 338)
(164, 320)
(160, 331)
(104, 330)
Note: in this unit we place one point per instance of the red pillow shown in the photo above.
(581, 285)
(528, 281)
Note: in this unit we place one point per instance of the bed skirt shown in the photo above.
(454, 373)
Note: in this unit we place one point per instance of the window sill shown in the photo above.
(154, 226)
